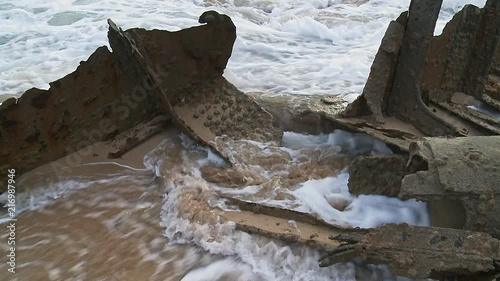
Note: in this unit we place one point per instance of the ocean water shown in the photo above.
(322, 47)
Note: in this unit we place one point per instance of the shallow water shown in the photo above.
(107, 231)
(103, 221)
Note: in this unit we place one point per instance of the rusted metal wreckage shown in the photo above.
(417, 99)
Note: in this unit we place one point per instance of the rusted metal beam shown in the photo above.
(422, 252)
(412, 251)
(405, 101)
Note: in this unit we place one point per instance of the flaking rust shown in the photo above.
(421, 252)
(202, 103)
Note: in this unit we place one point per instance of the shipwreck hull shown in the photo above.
(201, 102)
(155, 77)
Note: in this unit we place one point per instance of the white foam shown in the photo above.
(268, 259)
(366, 211)
(41, 196)
(49, 189)
(228, 268)
(260, 258)
(55, 274)
(283, 46)
(351, 143)
(482, 107)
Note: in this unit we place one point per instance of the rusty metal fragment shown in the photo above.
(412, 251)
(429, 93)
(422, 252)
(417, 88)
(302, 113)
(460, 70)
(405, 101)
(202, 102)
(178, 71)
(94, 103)
(129, 139)
(460, 175)
(379, 84)
(483, 59)
(379, 175)
(466, 170)
(288, 225)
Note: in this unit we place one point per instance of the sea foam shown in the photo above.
(283, 46)
(262, 258)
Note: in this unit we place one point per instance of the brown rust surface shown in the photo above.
(203, 104)
(424, 84)
(95, 102)
(422, 252)
(462, 169)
